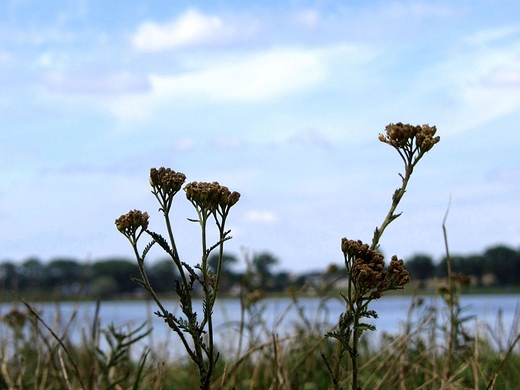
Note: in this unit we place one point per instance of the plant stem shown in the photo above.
(156, 299)
(390, 216)
(451, 304)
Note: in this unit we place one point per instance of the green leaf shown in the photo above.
(140, 371)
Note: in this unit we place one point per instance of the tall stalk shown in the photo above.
(209, 200)
(367, 276)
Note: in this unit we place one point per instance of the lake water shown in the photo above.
(279, 315)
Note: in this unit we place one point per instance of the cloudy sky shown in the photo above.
(282, 101)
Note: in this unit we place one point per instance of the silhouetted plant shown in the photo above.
(367, 277)
(211, 202)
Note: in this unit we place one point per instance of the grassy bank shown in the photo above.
(40, 355)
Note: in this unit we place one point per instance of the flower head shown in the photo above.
(397, 273)
(132, 224)
(210, 196)
(166, 182)
(410, 139)
(367, 268)
(353, 248)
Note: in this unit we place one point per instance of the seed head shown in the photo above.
(410, 138)
(397, 273)
(132, 224)
(463, 280)
(166, 180)
(210, 196)
(353, 248)
(368, 269)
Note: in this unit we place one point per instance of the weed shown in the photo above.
(211, 201)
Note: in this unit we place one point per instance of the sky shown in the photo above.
(281, 101)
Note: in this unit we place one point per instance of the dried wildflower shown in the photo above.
(353, 249)
(166, 179)
(15, 319)
(132, 224)
(410, 139)
(397, 272)
(464, 280)
(443, 288)
(210, 196)
(332, 269)
(375, 295)
(368, 268)
(254, 296)
(165, 184)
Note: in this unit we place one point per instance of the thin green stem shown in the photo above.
(451, 305)
(175, 257)
(147, 285)
(222, 235)
(355, 343)
(398, 195)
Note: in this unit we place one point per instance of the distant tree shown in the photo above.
(32, 270)
(62, 274)
(460, 264)
(120, 271)
(505, 263)
(281, 281)
(262, 264)
(477, 264)
(104, 287)
(9, 276)
(162, 275)
(441, 270)
(228, 261)
(473, 265)
(227, 277)
(420, 267)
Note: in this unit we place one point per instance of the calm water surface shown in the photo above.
(279, 315)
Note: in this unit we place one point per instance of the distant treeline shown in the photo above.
(497, 266)
(107, 278)
(111, 277)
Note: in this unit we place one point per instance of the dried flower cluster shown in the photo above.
(401, 136)
(132, 224)
(368, 269)
(397, 273)
(367, 276)
(463, 280)
(209, 199)
(166, 182)
(210, 195)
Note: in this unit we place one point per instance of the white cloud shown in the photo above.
(503, 78)
(307, 18)
(256, 77)
(227, 143)
(184, 144)
(261, 76)
(117, 83)
(488, 36)
(6, 57)
(261, 216)
(310, 137)
(415, 9)
(192, 28)
(477, 85)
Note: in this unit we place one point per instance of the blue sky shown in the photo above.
(281, 101)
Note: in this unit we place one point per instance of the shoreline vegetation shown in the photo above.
(495, 271)
(486, 355)
(437, 347)
(39, 297)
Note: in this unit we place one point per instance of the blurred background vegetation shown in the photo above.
(498, 267)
